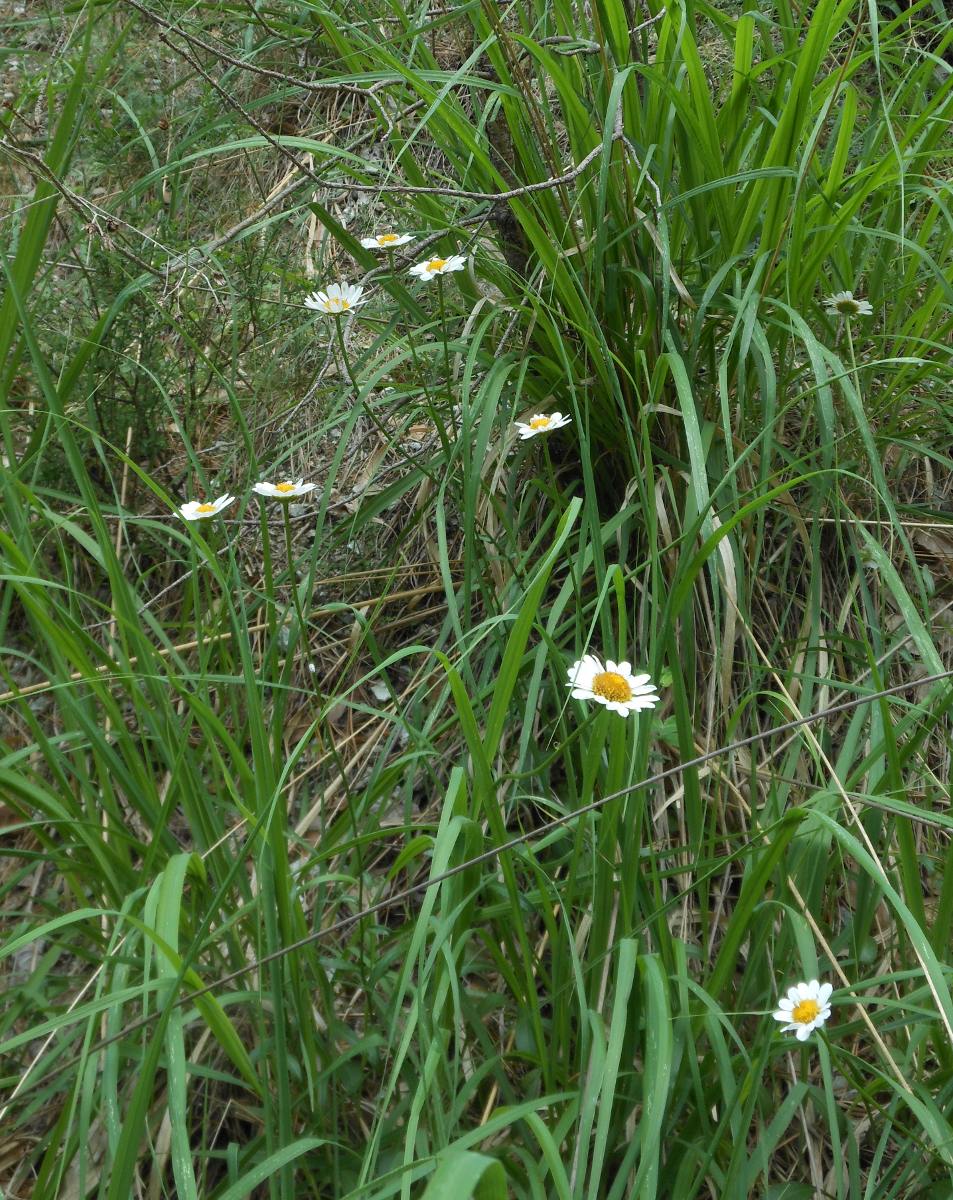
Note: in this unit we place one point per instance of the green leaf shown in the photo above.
(268, 1167)
(464, 1175)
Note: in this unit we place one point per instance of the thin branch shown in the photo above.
(310, 85)
(90, 213)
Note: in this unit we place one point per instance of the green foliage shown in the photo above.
(228, 748)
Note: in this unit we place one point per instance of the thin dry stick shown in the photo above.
(858, 679)
(557, 822)
(42, 1050)
(310, 85)
(947, 525)
(846, 983)
(352, 576)
(196, 254)
(113, 669)
(871, 850)
(379, 189)
(91, 213)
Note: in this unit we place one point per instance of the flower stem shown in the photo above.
(412, 347)
(196, 589)
(551, 470)
(441, 428)
(443, 328)
(372, 416)
(853, 359)
(289, 554)
(269, 574)
(346, 362)
(855, 375)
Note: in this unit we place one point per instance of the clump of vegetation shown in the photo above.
(476, 667)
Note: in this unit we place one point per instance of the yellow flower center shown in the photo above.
(436, 264)
(385, 239)
(284, 487)
(539, 422)
(612, 686)
(806, 1012)
(336, 304)
(205, 508)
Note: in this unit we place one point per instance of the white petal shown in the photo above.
(803, 1032)
(582, 678)
(581, 670)
(824, 993)
(583, 682)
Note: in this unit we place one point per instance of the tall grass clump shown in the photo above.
(366, 368)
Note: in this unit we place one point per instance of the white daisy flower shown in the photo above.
(613, 685)
(541, 424)
(439, 266)
(197, 510)
(846, 304)
(805, 1008)
(386, 241)
(284, 491)
(339, 298)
